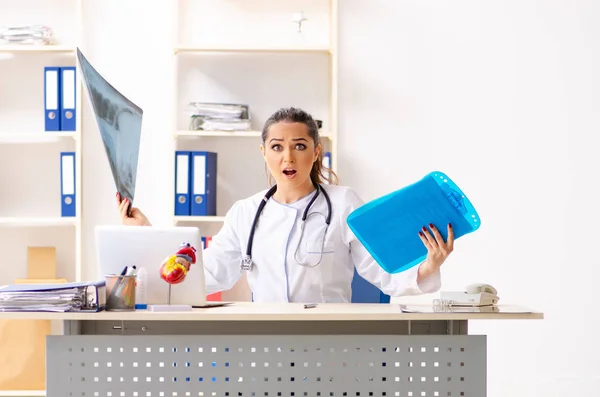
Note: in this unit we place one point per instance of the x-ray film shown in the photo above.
(388, 226)
(120, 124)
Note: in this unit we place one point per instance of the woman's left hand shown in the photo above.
(437, 250)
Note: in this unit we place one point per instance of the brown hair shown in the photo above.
(318, 173)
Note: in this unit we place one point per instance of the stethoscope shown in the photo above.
(247, 259)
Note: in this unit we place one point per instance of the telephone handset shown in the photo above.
(478, 294)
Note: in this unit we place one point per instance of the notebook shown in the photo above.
(388, 226)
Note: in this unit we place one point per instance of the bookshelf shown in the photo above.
(30, 150)
(30, 203)
(251, 53)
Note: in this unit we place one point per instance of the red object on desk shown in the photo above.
(216, 297)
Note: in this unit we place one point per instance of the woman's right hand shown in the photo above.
(135, 216)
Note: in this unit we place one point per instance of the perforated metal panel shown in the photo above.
(266, 366)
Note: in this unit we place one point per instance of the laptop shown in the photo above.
(118, 246)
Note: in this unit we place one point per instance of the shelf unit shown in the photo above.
(17, 138)
(203, 51)
(32, 216)
(190, 42)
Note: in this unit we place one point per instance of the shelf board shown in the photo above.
(200, 133)
(192, 49)
(36, 48)
(234, 134)
(37, 221)
(41, 137)
(194, 219)
(22, 393)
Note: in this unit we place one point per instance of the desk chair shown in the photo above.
(365, 292)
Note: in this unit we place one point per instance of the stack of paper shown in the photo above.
(47, 301)
(35, 34)
(219, 117)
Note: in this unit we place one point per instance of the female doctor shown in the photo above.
(293, 240)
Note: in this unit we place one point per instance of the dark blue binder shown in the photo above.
(67, 183)
(182, 183)
(52, 98)
(204, 184)
(68, 94)
(365, 292)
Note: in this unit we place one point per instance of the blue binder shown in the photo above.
(327, 160)
(365, 292)
(67, 183)
(68, 98)
(204, 184)
(182, 183)
(388, 227)
(52, 98)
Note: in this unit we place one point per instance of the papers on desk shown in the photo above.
(462, 309)
(66, 297)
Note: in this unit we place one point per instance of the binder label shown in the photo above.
(68, 174)
(69, 90)
(182, 174)
(52, 92)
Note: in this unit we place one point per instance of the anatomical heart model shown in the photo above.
(175, 267)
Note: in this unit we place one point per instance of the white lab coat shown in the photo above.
(276, 276)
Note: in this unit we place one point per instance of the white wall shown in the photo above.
(499, 95)
(502, 96)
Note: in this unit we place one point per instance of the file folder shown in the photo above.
(327, 160)
(87, 296)
(182, 183)
(365, 292)
(327, 164)
(67, 183)
(204, 184)
(52, 100)
(68, 96)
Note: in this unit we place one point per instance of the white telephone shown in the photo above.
(478, 294)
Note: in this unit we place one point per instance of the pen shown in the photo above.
(310, 305)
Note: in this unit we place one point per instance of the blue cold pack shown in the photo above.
(388, 226)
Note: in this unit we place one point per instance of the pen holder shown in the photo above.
(120, 293)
